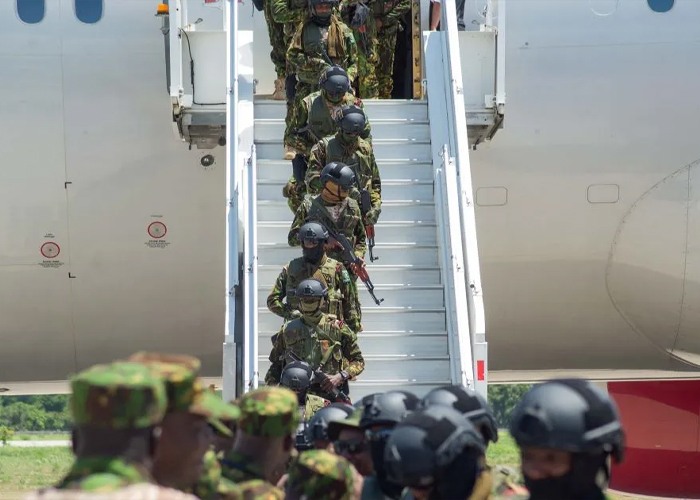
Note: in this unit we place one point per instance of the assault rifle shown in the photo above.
(366, 206)
(318, 377)
(351, 258)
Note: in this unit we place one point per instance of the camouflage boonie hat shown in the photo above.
(185, 389)
(269, 412)
(120, 395)
(255, 489)
(351, 422)
(321, 474)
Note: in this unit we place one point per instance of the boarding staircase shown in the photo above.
(404, 341)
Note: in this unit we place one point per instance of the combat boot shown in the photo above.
(289, 152)
(280, 93)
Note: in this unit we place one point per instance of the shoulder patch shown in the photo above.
(358, 102)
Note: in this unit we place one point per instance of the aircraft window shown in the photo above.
(88, 11)
(31, 11)
(660, 5)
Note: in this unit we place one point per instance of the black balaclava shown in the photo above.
(579, 483)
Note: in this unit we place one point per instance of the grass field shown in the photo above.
(41, 437)
(24, 469)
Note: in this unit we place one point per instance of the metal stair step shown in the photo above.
(398, 368)
(389, 232)
(376, 109)
(395, 189)
(393, 295)
(392, 211)
(281, 170)
(400, 254)
(362, 388)
(379, 274)
(399, 149)
(273, 129)
(388, 343)
(375, 318)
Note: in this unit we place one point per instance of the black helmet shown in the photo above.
(352, 120)
(339, 173)
(568, 414)
(388, 408)
(322, 19)
(361, 403)
(438, 447)
(317, 428)
(469, 403)
(313, 232)
(302, 441)
(335, 82)
(310, 288)
(296, 376)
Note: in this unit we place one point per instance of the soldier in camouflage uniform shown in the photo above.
(347, 147)
(186, 434)
(387, 15)
(337, 212)
(279, 43)
(256, 489)
(320, 474)
(569, 433)
(296, 376)
(264, 437)
(116, 409)
(319, 42)
(315, 264)
(315, 118)
(349, 442)
(319, 339)
(358, 16)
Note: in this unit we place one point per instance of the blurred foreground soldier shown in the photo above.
(347, 147)
(349, 442)
(436, 453)
(496, 481)
(116, 411)
(315, 118)
(317, 429)
(257, 489)
(265, 436)
(186, 433)
(566, 431)
(314, 263)
(379, 417)
(319, 339)
(319, 474)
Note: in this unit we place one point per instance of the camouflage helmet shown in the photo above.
(256, 489)
(321, 474)
(119, 395)
(185, 389)
(269, 412)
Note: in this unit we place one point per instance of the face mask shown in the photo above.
(334, 98)
(323, 20)
(577, 484)
(313, 255)
(388, 488)
(310, 308)
(348, 138)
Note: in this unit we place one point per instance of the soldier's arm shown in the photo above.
(360, 237)
(350, 313)
(351, 48)
(375, 187)
(351, 352)
(283, 11)
(367, 132)
(395, 14)
(272, 377)
(299, 120)
(317, 160)
(275, 300)
(295, 52)
(299, 219)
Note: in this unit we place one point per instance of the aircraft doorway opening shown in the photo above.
(408, 58)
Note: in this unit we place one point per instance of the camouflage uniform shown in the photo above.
(319, 114)
(265, 412)
(314, 48)
(367, 52)
(330, 345)
(359, 156)
(278, 41)
(331, 273)
(389, 12)
(321, 474)
(255, 489)
(120, 395)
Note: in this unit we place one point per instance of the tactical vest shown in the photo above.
(317, 345)
(321, 115)
(348, 219)
(357, 160)
(325, 273)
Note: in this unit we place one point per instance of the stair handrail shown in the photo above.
(250, 361)
(459, 146)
